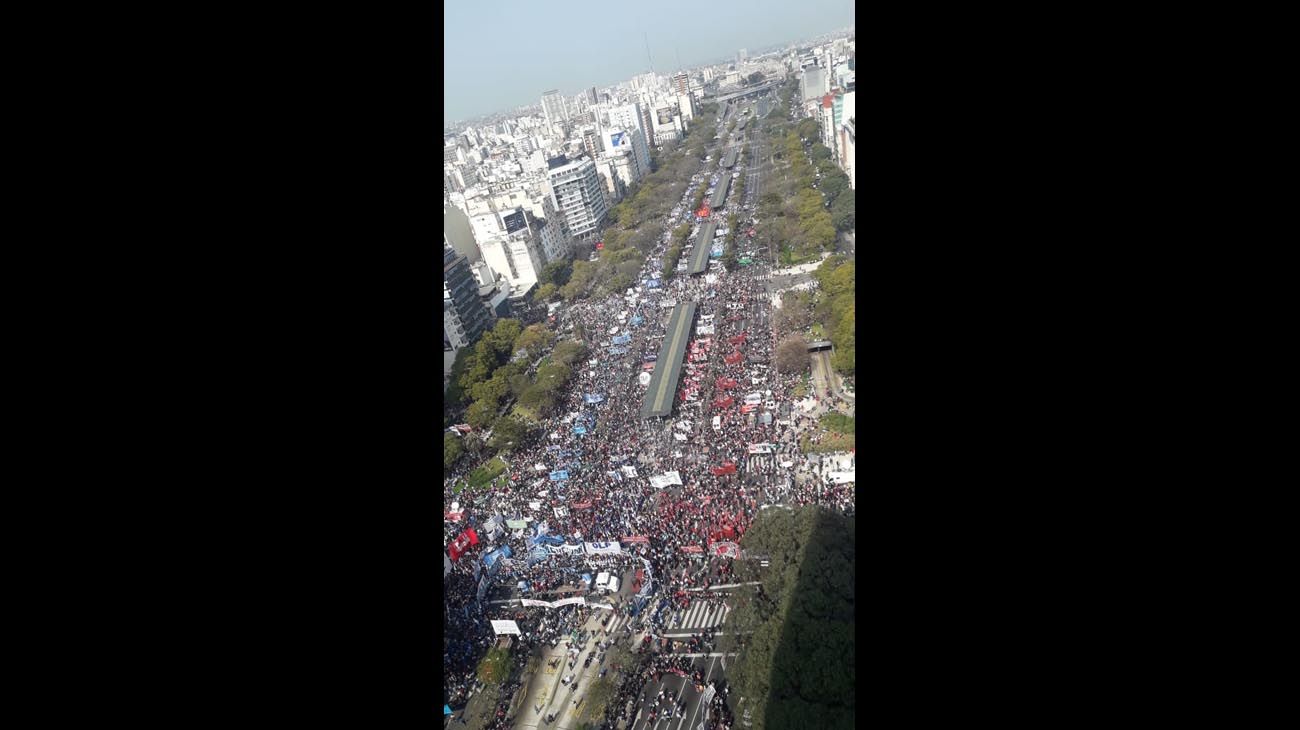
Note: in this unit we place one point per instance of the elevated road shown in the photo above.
(668, 368)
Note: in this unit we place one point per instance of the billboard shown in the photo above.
(618, 139)
(514, 221)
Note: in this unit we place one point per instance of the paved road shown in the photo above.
(848, 241)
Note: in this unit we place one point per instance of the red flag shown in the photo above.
(473, 536)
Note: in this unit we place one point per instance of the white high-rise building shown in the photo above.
(554, 107)
(629, 142)
(631, 118)
(576, 188)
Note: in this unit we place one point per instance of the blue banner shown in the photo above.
(446, 709)
(622, 339)
(580, 430)
(593, 398)
(559, 475)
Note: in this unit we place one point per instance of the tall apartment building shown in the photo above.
(742, 56)
(591, 96)
(848, 139)
(576, 188)
(464, 316)
(681, 83)
(631, 118)
(591, 143)
(554, 108)
(814, 83)
(629, 142)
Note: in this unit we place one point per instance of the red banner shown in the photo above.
(460, 544)
(453, 516)
(692, 549)
(723, 402)
(733, 358)
(635, 538)
(726, 468)
(581, 505)
(473, 536)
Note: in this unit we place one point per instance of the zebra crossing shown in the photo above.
(699, 615)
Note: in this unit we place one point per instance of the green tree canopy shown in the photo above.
(843, 211)
(534, 338)
(451, 449)
(507, 433)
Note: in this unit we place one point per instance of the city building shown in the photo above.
(464, 316)
(554, 108)
(457, 233)
(631, 143)
(681, 83)
(576, 189)
(848, 140)
(813, 84)
(514, 251)
(591, 143)
(631, 118)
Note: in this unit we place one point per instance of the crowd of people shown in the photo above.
(678, 537)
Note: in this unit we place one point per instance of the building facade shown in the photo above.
(464, 316)
(578, 196)
(553, 107)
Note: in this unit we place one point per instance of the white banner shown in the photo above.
(568, 548)
(604, 548)
(761, 449)
(841, 477)
(600, 605)
(675, 477)
(505, 627)
(540, 604)
(629, 471)
(729, 549)
(561, 512)
(569, 602)
(679, 436)
(666, 479)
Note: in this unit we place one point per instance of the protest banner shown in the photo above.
(505, 627)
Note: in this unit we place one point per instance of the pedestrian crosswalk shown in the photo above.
(700, 615)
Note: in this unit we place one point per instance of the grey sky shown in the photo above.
(504, 53)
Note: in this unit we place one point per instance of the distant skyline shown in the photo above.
(502, 54)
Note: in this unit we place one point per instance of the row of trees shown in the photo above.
(838, 310)
(832, 307)
(833, 183)
(796, 669)
(498, 370)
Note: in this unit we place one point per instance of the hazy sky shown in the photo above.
(501, 54)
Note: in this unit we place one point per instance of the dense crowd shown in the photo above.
(608, 496)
